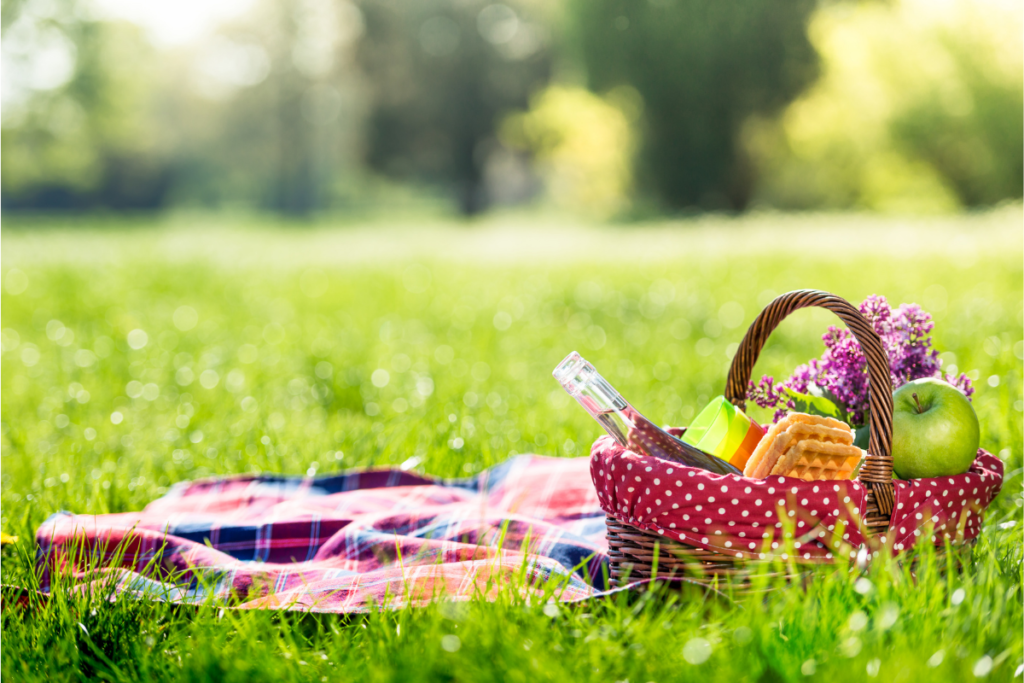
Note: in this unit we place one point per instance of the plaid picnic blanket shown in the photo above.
(348, 542)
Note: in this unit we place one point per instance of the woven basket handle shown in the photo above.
(876, 472)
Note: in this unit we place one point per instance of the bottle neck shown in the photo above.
(606, 405)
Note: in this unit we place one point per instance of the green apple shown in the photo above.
(935, 430)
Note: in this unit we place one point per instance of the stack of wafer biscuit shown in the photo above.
(806, 447)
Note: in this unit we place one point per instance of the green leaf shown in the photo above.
(862, 432)
(815, 405)
(815, 390)
(861, 437)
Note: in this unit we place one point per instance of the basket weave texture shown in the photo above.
(704, 525)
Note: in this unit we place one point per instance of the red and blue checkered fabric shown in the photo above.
(345, 543)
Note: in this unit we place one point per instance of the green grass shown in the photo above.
(468, 321)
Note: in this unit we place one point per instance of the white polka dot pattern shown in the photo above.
(752, 510)
(946, 508)
(816, 519)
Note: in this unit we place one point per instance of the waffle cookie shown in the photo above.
(806, 447)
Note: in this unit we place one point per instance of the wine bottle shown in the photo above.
(624, 423)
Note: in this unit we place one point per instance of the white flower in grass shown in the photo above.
(858, 620)
(451, 643)
(850, 647)
(743, 635)
(982, 667)
(873, 667)
(697, 651)
(888, 616)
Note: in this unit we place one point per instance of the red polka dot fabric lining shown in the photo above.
(948, 507)
(756, 518)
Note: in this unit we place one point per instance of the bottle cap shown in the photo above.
(572, 372)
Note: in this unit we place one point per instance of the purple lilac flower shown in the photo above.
(842, 370)
(768, 395)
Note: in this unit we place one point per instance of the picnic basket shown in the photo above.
(648, 533)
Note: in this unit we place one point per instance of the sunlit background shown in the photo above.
(605, 108)
(302, 237)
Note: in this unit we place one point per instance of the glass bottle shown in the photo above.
(624, 423)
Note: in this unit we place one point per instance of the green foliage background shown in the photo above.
(701, 69)
(357, 106)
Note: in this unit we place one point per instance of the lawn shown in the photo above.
(138, 353)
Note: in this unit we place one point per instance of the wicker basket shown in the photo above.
(638, 553)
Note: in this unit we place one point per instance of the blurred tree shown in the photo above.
(265, 112)
(305, 105)
(312, 67)
(441, 73)
(77, 127)
(920, 108)
(701, 67)
(582, 145)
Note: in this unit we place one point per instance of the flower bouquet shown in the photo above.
(836, 385)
